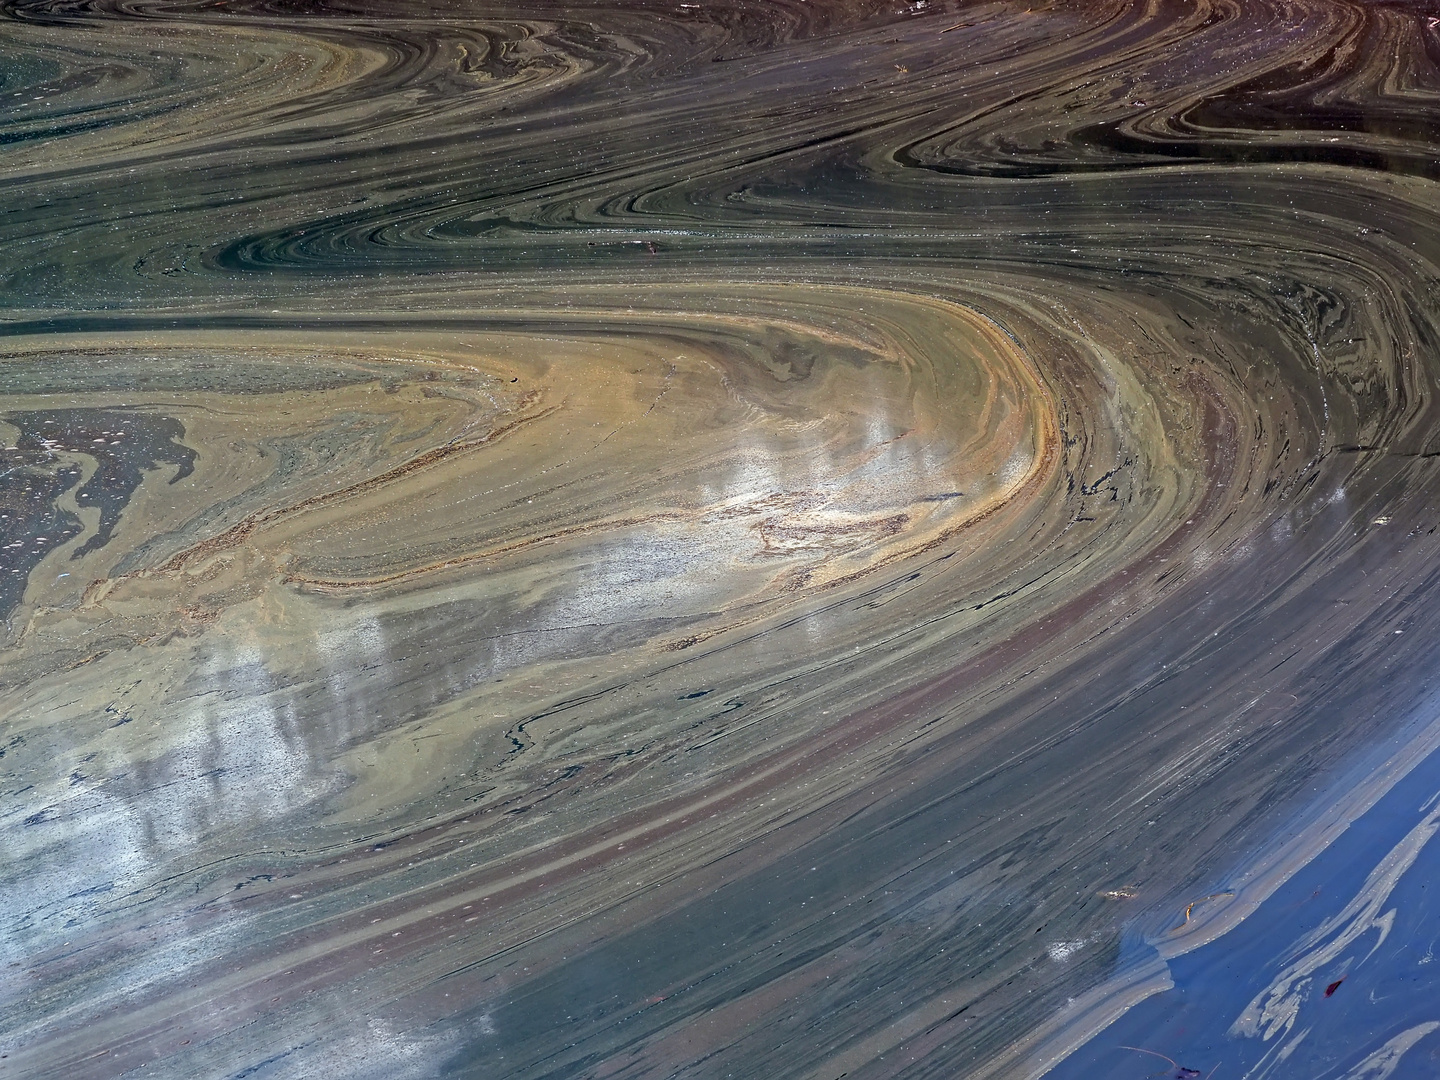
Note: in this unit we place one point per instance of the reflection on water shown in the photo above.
(1333, 975)
(798, 539)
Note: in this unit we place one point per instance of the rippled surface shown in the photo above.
(660, 539)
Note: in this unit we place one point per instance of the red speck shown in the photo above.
(1334, 986)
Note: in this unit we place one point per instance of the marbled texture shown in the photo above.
(793, 539)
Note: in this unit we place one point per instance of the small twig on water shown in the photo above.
(1181, 1070)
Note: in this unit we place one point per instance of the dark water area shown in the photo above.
(651, 539)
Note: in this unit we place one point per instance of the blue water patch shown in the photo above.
(1334, 975)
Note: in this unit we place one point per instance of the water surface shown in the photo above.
(648, 539)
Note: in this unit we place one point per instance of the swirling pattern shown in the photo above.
(693, 539)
